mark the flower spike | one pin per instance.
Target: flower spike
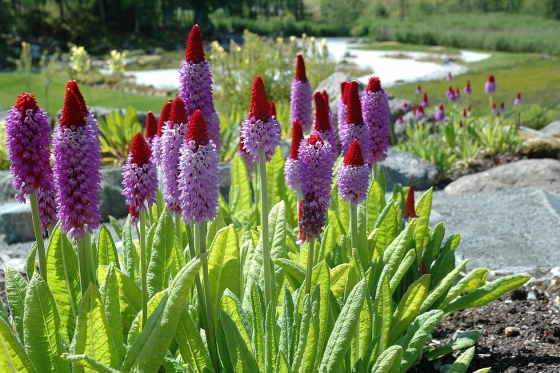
(194, 52)
(353, 175)
(409, 211)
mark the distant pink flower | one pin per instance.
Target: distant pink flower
(457, 94)
(468, 89)
(420, 112)
(440, 113)
(502, 107)
(409, 211)
(464, 115)
(418, 90)
(449, 77)
(493, 110)
(322, 124)
(490, 86)
(517, 100)
(399, 120)
(450, 94)
(405, 107)
(425, 103)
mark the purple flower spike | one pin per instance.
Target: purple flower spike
(331, 118)
(355, 128)
(322, 123)
(440, 114)
(27, 140)
(450, 94)
(399, 120)
(425, 103)
(457, 94)
(420, 112)
(316, 161)
(418, 90)
(517, 100)
(353, 175)
(291, 169)
(156, 141)
(468, 89)
(195, 84)
(139, 177)
(77, 163)
(449, 77)
(46, 203)
(301, 97)
(174, 133)
(259, 130)
(490, 86)
(375, 107)
(199, 180)
(247, 159)
(341, 117)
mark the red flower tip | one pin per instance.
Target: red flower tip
(409, 211)
(197, 129)
(519, 95)
(502, 105)
(321, 113)
(425, 96)
(178, 112)
(259, 101)
(164, 116)
(405, 105)
(343, 88)
(354, 156)
(414, 109)
(450, 89)
(26, 101)
(494, 105)
(271, 108)
(418, 87)
(133, 212)
(400, 117)
(491, 78)
(73, 86)
(460, 124)
(300, 69)
(464, 112)
(72, 113)
(297, 136)
(422, 270)
(314, 139)
(440, 106)
(470, 107)
(151, 125)
(374, 84)
(325, 97)
(139, 150)
(468, 83)
(195, 49)
(421, 108)
(354, 111)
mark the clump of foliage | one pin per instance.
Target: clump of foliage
(4, 161)
(116, 131)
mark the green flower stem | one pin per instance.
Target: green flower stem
(211, 335)
(190, 240)
(150, 216)
(310, 257)
(38, 235)
(354, 224)
(264, 228)
(89, 252)
(143, 267)
(179, 230)
(83, 262)
(375, 171)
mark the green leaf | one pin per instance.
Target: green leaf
(286, 324)
(129, 251)
(130, 296)
(224, 266)
(344, 329)
(375, 204)
(106, 249)
(434, 243)
(41, 328)
(271, 348)
(303, 333)
(382, 313)
(295, 273)
(462, 363)
(338, 275)
(213, 228)
(389, 361)
(231, 305)
(258, 320)
(402, 269)
(487, 293)
(388, 225)
(116, 226)
(162, 254)
(64, 281)
(84, 361)
(136, 326)
(110, 299)
(441, 288)
(472, 281)
(415, 338)
(463, 341)
(240, 190)
(13, 358)
(408, 306)
(93, 334)
(149, 350)
(423, 209)
(191, 345)
(30, 265)
(240, 355)
(16, 288)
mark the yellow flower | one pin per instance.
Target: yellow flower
(116, 62)
(79, 56)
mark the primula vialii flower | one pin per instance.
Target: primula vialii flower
(342, 106)
(77, 163)
(199, 179)
(139, 177)
(46, 203)
(405, 107)
(272, 109)
(301, 97)
(174, 133)
(156, 141)
(399, 120)
(27, 140)
(151, 127)
(450, 94)
(490, 86)
(322, 124)
(419, 112)
(247, 159)
(353, 175)
(449, 77)
(468, 89)
(195, 84)
(409, 211)
(331, 119)
(493, 110)
(355, 128)
(502, 107)
(375, 108)
(517, 100)
(316, 161)
(418, 90)
(425, 103)
(291, 170)
(440, 113)
(259, 130)
(464, 115)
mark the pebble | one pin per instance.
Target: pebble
(511, 331)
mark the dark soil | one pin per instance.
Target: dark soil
(520, 332)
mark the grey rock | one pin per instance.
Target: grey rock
(111, 199)
(16, 223)
(406, 169)
(530, 174)
(552, 129)
(7, 191)
(332, 86)
(225, 178)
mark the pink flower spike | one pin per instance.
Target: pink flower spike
(409, 211)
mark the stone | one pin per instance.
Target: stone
(512, 331)
(225, 178)
(537, 145)
(529, 174)
(407, 169)
(16, 223)
(552, 129)
(111, 199)
(7, 191)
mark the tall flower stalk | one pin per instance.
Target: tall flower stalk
(77, 156)
(322, 124)
(301, 97)
(140, 187)
(27, 140)
(261, 135)
(355, 128)
(291, 169)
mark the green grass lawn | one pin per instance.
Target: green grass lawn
(13, 84)
(535, 76)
